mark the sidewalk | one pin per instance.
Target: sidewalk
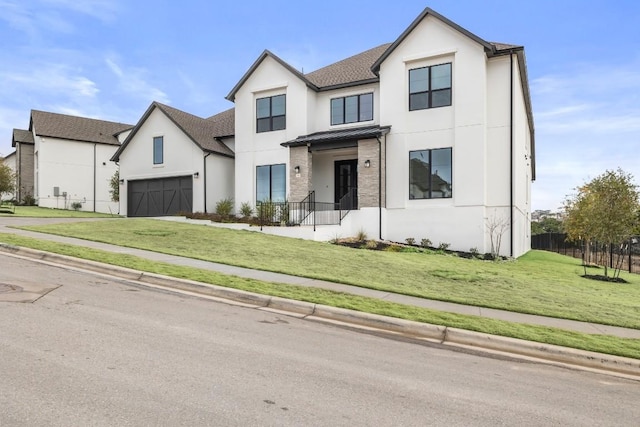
(584, 327)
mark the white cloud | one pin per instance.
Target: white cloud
(49, 78)
(104, 10)
(132, 82)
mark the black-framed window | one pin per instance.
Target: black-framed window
(352, 109)
(430, 173)
(271, 183)
(158, 150)
(271, 113)
(430, 87)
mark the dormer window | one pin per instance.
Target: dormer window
(271, 113)
(352, 109)
(430, 87)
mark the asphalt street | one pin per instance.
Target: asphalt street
(100, 352)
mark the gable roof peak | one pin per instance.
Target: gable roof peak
(489, 48)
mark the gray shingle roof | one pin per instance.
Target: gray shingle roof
(21, 136)
(349, 134)
(205, 133)
(75, 128)
(354, 69)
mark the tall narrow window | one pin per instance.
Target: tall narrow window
(271, 183)
(430, 173)
(430, 87)
(158, 150)
(271, 113)
(352, 109)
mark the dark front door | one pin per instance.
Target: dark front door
(346, 179)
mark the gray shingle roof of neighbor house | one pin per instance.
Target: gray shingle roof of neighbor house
(75, 128)
(22, 136)
(349, 134)
(205, 133)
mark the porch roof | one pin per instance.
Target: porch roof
(349, 134)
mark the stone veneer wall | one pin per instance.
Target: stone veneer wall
(25, 171)
(368, 180)
(299, 186)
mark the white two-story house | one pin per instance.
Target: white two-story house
(429, 137)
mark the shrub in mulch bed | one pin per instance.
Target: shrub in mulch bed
(604, 278)
(220, 218)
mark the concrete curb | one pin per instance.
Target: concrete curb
(441, 334)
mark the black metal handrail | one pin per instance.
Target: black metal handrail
(306, 212)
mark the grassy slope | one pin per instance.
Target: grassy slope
(598, 343)
(538, 283)
(37, 212)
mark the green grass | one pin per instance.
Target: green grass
(538, 283)
(598, 343)
(38, 212)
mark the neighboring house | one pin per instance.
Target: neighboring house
(10, 161)
(176, 162)
(429, 137)
(71, 160)
(23, 142)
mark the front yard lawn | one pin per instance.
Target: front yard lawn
(598, 343)
(537, 283)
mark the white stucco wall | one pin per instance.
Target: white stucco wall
(81, 169)
(182, 157)
(253, 149)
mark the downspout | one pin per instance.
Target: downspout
(94, 176)
(204, 173)
(379, 187)
(511, 153)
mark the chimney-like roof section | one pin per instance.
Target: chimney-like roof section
(21, 136)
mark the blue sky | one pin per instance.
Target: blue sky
(110, 59)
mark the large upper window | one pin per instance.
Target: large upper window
(271, 113)
(430, 174)
(270, 183)
(158, 150)
(430, 87)
(351, 109)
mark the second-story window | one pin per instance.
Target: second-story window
(351, 109)
(271, 113)
(158, 150)
(430, 87)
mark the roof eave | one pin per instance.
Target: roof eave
(349, 84)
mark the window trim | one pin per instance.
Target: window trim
(159, 151)
(430, 151)
(429, 92)
(270, 166)
(271, 117)
(344, 109)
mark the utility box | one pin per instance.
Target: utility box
(56, 191)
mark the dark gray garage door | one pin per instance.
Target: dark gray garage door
(160, 197)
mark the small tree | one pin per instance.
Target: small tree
(604, 210)
(114, 186)
(7, 179)
(496, 226)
